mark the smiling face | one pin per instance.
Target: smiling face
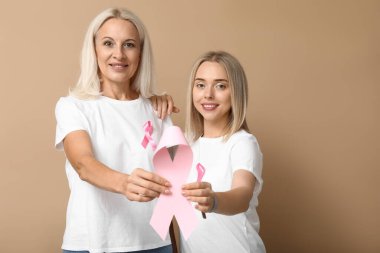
(117, 46)
(212, 94)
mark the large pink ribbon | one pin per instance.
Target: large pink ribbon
(148, 128)
(176, 171)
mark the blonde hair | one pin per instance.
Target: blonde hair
(239, 96)
(88, 85)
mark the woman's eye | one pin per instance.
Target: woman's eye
(129, 44)
(221, 86)
(107, 43)
(199, 85)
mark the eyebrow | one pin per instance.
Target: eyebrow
(216, 80)
(110, 38)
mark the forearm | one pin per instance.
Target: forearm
(140, 185)
(234, 201)
(96, 173)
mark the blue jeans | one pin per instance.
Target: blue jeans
(165, 249)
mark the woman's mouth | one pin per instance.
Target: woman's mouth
(118, 66)
(209, 107)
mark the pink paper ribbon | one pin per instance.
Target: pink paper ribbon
(201, 171)
(176, 171)
(148, 128)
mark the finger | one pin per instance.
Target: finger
(197, 193)
(164, 106)
(203, 208)
(142, 191)
(136, 193)
(159, 105)
(175, 109)
(190, 186)
(153, 100)
(151, 177)
(138, 197)
(203, 201)
(170, 104)
(147, 192)
(196, 185)
(150, 181)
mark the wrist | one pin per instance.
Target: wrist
(121, 185)
(214, 204)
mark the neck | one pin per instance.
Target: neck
(214, 130)
(119, 91)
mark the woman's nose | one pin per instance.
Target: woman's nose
(118, 53)
(209, 93)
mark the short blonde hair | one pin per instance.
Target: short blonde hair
(239, 95)
(88, 85)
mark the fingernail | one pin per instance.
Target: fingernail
(168, 184)
(167, 191)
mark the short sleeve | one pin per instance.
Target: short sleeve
(167, 122)
(246, 155)
(69, 118)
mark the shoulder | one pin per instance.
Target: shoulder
(243, 141)
(64, 102)
(69, 100)
(70, 105)
(242, 136)
(145, 102)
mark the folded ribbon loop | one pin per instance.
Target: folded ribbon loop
(176, 171)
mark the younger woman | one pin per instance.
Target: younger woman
(222, 145)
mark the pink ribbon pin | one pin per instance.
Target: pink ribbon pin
(176, 171)
(148, 128)
(201, 171)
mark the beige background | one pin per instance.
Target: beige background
(314, 73)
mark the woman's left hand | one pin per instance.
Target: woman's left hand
(200, 192)
(163, 105)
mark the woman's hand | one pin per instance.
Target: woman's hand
(163, 105)
(229, 202)
(200, 192)
(143, 186)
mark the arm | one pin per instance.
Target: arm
(163, 105)
(230, 202)
(139, 186)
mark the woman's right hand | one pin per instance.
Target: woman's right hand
(144, 186)
(201, 193)
(163, 105)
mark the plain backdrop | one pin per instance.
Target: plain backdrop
(314, 77)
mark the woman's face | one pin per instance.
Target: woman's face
(212, 93)
(117, 47)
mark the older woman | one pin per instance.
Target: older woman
(108, 130)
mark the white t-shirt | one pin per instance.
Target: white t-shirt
(222, 233)
(99, 220)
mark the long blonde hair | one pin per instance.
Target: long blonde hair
(239, 95)
(88, 85)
